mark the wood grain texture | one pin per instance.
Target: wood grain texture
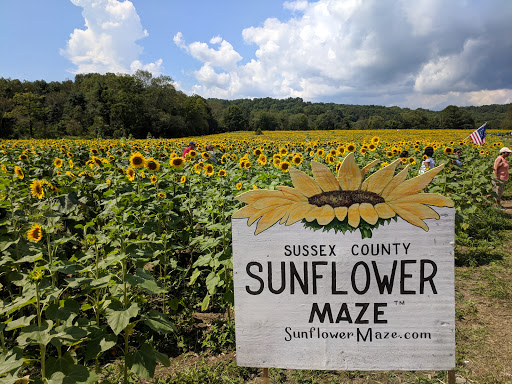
(410, 321)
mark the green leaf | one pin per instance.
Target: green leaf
(11, 360)
(19, 323)
(142, 362)
(146, 281)
(194, 276)
(212, 281)
(33, 334)
(77, 374)
(118, 319)
(101, 342)
(67, 335)
(159, 322)
(205, 303)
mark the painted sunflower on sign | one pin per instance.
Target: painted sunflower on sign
(345, 202)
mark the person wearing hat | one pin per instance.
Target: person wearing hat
(500, 174)
(191, 146)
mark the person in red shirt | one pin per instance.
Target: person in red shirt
(191, 146)
(500, 174)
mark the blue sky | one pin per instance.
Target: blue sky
(416, 54)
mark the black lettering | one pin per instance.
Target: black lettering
(429, 278)
(283, 278)
(321, 315)
(388, 250)
(353, 253)
(377, 313)
(406, 247)
(364, 249)
(248, 270)
(287, 250)
(296, 252)
(322, 253)
(353, 278)
(294, 275)
(331, 249)
(305, 251)
(367, 336)
(314, 250)
(333, 281)
(387, 281)
(344, 310)
(364, 307)
(404, 276)
(289, 337)
(315, 275)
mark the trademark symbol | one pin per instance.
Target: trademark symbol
(399, 302)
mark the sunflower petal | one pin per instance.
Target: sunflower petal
(304, 184)
(378, 181)
(270, 218)
(270, 201)
(326, 215)
(250, 197)
(368, 213)
(292, 193)
(341, 213)
(245, 212)
(420, 210)
(427, 198)
(395, 181)
(313, 214)
(298, 211)
(257, 215)
(353, 215)
(368, 167)
(384, 211)
(408, 216)
(324, 177)
(414, 185)
(349, 174)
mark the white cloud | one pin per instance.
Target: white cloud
(395, 52)
(108, 42)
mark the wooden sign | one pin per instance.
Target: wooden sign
(322, 294)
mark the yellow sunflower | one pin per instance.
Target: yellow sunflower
(36, 189)
(183, 179)
(284, 166)
(205, 155)
(152, 165)
(35, 233)
(177, 162)
(57, 162)
(137, 160)
(324, 197)
(208, 170)
(130, 173)
(448, 150)
(19, 172)
(153, 179)
(222, 173)
(161, 195)
(239, 186)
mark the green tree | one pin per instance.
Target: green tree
(453, 117)
(28, 110)
(506, 123)
(235, 119)
(298, 122)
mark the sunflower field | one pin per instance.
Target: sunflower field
(108, 247)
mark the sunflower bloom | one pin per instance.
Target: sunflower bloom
(35, 233)
(36, 189)
(222, 173)
(57, 163)
(137, 160)
(130, 173)
(152, 165)
(325, 197)
(19, 172)
(177, 162)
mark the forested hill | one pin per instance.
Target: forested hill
(140, 105)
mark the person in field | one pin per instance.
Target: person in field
(191, 146)
(428, 160)
(500, 174)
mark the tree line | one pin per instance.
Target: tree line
(140, 105)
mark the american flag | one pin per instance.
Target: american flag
(478, 136)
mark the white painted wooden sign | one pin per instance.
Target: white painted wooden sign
(307, 299)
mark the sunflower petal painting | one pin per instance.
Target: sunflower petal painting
(348, 199)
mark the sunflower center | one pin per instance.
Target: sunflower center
(345, 198)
